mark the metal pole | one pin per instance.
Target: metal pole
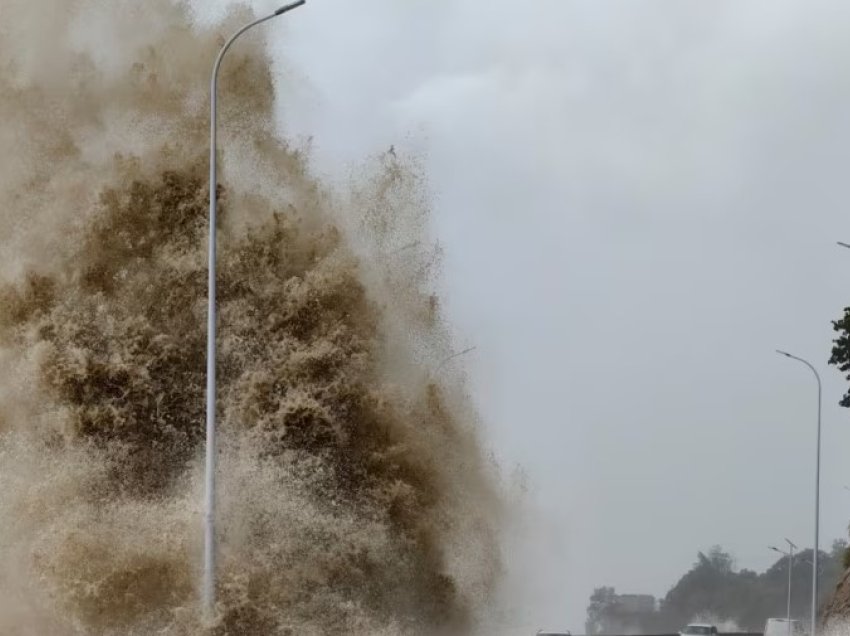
(817, 495)
(789, 556)
(208, 588)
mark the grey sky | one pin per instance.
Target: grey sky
(639, 202)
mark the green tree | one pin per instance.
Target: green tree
(713, 587)
(841, 350)
(601, 604)
(702, 588)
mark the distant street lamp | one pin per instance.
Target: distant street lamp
(817, 494)
(208, 588)
(790, 555)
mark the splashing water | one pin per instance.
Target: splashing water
(353, 495)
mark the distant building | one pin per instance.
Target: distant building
(634, 603)
(626, 614)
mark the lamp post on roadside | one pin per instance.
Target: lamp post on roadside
(208, 586)
(790, 555)
(817, 494)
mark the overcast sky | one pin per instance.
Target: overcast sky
(639, 202)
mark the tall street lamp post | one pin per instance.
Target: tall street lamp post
(817, 495)
(208, 587)
(790, 555)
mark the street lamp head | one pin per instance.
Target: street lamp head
(784, 353)
(290, 7)
(842, 244)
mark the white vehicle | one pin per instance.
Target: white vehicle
(700, 629)
(781, 627)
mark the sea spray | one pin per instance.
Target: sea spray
(354, 497)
